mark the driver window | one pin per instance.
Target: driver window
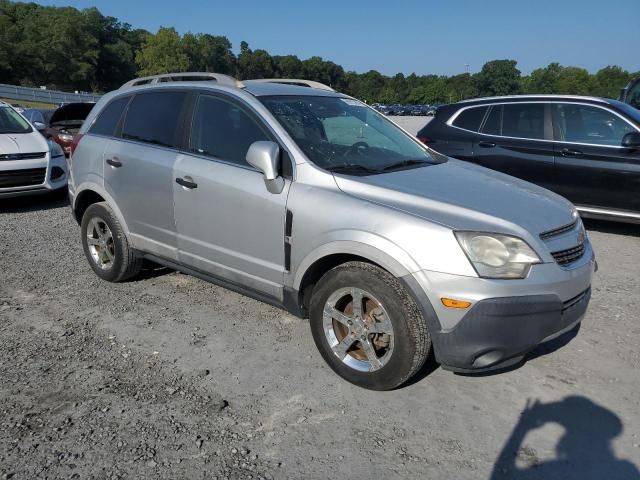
(223, 130)
(586, 124)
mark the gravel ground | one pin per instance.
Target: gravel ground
(168, 376)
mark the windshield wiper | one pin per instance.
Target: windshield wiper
(351, 167)
(405, 163)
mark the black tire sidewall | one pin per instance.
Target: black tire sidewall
(98, 210)
(400, 365)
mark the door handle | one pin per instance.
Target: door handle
(570, 152)
(186, 183)
(486, 144)
(114, 162)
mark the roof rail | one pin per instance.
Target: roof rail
(185, 77)
(296, 81)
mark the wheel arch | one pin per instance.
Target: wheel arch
(90, 194)
(320, 261)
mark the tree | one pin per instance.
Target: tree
(544, 80)
(254, 64)
(499, 77)
(608, 81)
(162, 53)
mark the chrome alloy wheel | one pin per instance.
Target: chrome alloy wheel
(358, 329)
(100, 243)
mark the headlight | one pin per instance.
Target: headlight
(497, 256)
(65, 137)
(55, 149)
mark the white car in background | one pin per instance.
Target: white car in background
(29, 164)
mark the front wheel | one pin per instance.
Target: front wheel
(367, 328)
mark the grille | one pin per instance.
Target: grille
(22, 156)
(558, 231)
(568, 256)
(22, 178)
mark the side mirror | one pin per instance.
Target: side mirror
(631, 140)
(39, 126)
(265, 156)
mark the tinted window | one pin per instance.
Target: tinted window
(492, 125)
(12, 122)
(523, 120)
(223, 130)
(153, 118)
(585, 124)
(108, 119)
(470, 118)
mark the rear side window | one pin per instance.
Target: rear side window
(153, 118)
(108, 119)
(223, 130)
(493, 123)
(470, 119)
(523, 120)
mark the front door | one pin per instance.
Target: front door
(592, 167)
(228, 224)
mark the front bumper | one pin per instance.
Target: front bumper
(508, 318)
(499, 332)
(32, 177)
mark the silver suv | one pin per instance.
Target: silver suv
(308, 199)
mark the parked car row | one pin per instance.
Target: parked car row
(406, 110)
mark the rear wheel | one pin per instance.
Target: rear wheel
(367, 328)
(106, 246)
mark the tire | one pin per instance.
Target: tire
(385, 307)
(108, 252)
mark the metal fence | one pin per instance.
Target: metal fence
(45, 96)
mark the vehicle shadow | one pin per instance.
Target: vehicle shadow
(583, 452)
(616, 228)
(34, 203)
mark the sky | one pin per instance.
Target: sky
(422, 36)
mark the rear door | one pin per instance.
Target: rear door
(462, 130)
(592, 167)
(228, 224)
(516, 138)
(138, 170)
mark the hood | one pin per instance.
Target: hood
(73, 113)
(464, 196)
(22, 143)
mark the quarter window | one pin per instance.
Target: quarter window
(107, 121)
(153, 118)
(470, 119)
(523, 120)
(586, 124)
(223, 130)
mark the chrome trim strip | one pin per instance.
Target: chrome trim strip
(607, 212)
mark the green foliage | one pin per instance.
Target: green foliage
(75, 49)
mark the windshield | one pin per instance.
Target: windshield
(12, 122)
(342, 134)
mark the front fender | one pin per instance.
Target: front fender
(373, 247)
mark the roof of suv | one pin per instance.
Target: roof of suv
(520, 98)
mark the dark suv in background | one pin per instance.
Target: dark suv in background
(585, 149)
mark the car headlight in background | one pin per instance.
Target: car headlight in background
(55, 149)
(497, 256)
(65, 137)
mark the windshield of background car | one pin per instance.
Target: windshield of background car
(344, 134)
(632, 112)
(12, 122)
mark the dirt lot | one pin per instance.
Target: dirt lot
(170, 377)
